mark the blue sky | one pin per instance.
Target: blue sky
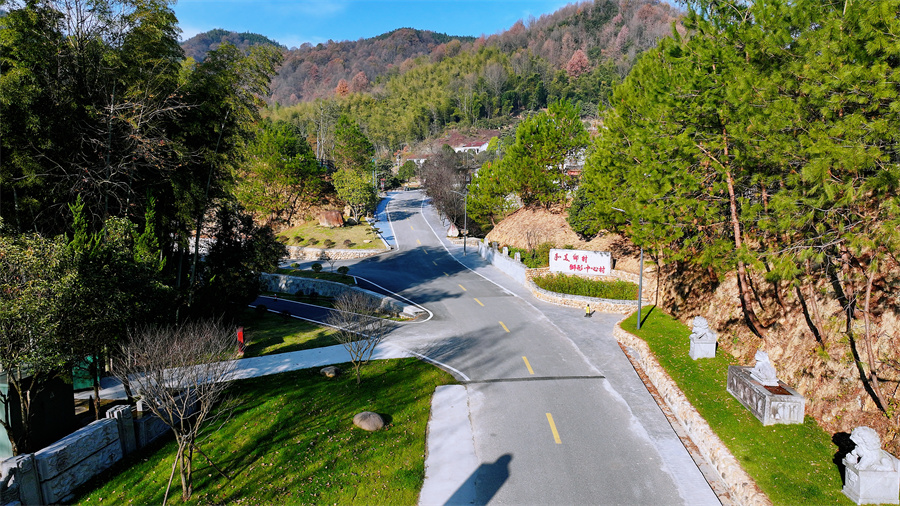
(293, 22)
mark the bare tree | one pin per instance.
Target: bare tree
(181, 373)
(358, 318)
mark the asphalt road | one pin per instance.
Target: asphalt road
(558, 414)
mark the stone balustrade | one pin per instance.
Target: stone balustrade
(50, 475)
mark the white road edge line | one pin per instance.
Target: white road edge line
(423, 308)
(433, 361)
(538, 311)
(422, 210)
(390, 221)
(396, 346)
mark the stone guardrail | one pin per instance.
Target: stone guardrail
(51, 475)
(283, 283)
(741, 486)
(304, 253)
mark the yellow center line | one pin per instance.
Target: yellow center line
(445, 274)
(479, 302)
(435, 263)
(463, 288)
(424, 251)
(411, 228)
(553, 428)
(418, 242)
(530, 370)
(504, 327)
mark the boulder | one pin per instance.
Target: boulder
(369, 421)
(331, 219)
(452, 231)
(330, 371)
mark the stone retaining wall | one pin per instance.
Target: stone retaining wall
(580, 301)
(303, 253)
(282, 283)
(741, 486)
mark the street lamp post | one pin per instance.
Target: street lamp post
(465, 229)
(640, 279)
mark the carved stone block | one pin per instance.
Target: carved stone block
(701, 349)
(125, 423)
(872, 486)
(772, 405)
(59, 488)
(77, 446)
(24, 484)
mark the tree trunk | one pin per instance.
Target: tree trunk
(873, 378)
(95, 381)
(742, 279)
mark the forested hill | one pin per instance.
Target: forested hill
(197, 46)
(311, 72)
(607, 31)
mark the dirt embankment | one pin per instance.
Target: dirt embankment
(827, 365)
(528, 228)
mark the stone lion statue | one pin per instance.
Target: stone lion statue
(868, 454)
(701, 331)
(764, 371)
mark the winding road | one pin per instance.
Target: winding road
(558, 415)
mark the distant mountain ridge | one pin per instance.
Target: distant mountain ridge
(607, 31)
(311, 72)
(197, 46)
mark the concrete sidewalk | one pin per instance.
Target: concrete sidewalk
(253, 367)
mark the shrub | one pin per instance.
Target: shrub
(261, 309)
(343, 269)
(312, 241)
(285, 314)
(328, 243)
(295, 265)
(576, 285)
(348, 243)
(316, 267)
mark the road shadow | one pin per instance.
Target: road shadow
(482, 485)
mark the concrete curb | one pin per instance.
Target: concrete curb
(742, 487)
(451, 463)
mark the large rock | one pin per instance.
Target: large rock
(330, 371)
(331, 219)
(369, 421)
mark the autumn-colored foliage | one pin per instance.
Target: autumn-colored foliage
(578, 64)
(342, 89)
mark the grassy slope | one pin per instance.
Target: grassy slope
(292, 441)
(270, 333)
(791, 463)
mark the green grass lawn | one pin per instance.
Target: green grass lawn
(292, 441)
(791, 463)
(270, 333)
(347, 237)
